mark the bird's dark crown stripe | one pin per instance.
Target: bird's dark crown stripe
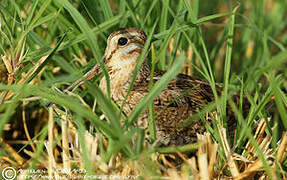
(128, 31)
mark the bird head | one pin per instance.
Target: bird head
(124, 46)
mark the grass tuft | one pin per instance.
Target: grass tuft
(47, 45)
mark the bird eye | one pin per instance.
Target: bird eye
(122, 41)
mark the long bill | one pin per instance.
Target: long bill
(89, 75)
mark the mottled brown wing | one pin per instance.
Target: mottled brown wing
(186, 91)
(183, 97)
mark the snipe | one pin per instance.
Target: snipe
(183, 97)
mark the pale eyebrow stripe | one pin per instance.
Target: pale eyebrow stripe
(135, 34)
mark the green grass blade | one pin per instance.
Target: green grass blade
(109, 110)
(227, 63)
(105, 6)
(152, 123)
(31, 14)
(140, 141)
(280, 99)
(140, 61)
(158, 87)
(43, 64)
(83, 25)
(149, 11)
(212, 17)
(100, 28)
(33, 22)
(84, 153)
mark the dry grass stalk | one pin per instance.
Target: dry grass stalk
(26, 127)
(254, 163)
(50, 142)
(282, 150)
(173, 174)
(251, 170)
(30, 73)
(258, 133)
(7, 64)
(19, 159)
(226, 148)
(194, 169)
(202, 157)
(65, 144)
(202, 167)
(212, 152)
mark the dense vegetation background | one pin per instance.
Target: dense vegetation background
(46, 45)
